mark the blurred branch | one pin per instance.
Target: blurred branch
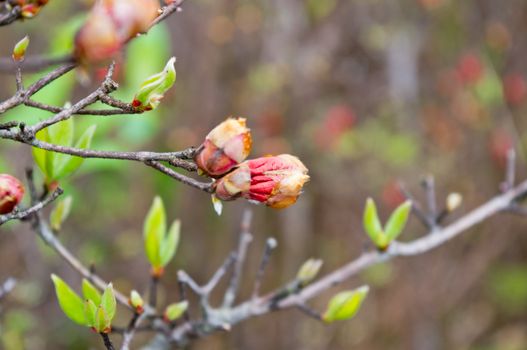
(225, 317)
(7, 286)
(34, 63)
(18, 215)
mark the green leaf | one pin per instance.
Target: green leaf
(397, 221)
(60, 134)
(372, 224)
(108, 302)
(154, 87)
(90, 312)
(70, 303)
(170, 243)
(20, 49)
(102, 321)
(41, 156)
(60, 212)
(176, 310)
(72, 163)
(154, 231)
(345, 305)
(90, 292)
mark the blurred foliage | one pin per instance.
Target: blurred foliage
(367, 93)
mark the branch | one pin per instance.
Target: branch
(33, 209)
(225, 317)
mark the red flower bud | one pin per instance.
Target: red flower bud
(110, 25)
(11, 193)
(225, 146)
(276, 181)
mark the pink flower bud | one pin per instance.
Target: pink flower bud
(110, 25)
(225, 146)
(276, 181)
(11, 193)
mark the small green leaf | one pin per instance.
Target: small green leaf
(371, 222)
(72, 163)
(20, 49)
(397, 221)
(136, 300)
(41, 156)
(70, 303)
(60, 212)
(60, 134)
(102, 321)
(90, 292)
(345, 305)
(90, 311)
(154, 231)
(153, 88)
(108, 302)
(174, 311)
(170, 243)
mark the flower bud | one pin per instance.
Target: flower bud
(453, 201)
(136, 301)
(20, 49)
(110, 25)
(276, 181)
(11, 193)
(29, 10)
(225, 146)
(175, 311)
(308, 271)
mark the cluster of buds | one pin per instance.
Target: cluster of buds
(110, 25)
(276, 181)
(28, 8)
(11, 193)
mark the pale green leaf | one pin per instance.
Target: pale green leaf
(397, 221)
(90, 311)
(60, 212)
(372, 224)
(345, 304)
(102, 321)
(73, 163)
(154, 231)
(90, 292)
(108, 302)
(176, 310)
(70, 303)
(170, 243)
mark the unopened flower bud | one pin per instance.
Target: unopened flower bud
(225, 146)
(110, 25)
(20, 49)
(308, 271)
(175, 311)
(453, 201)
(30, 10)
(136, 301)
(11, 193)
(276, 181)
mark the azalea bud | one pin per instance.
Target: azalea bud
(11, 193)
(30, 10)
(276, 181)
(136, 301)
(110, 25)
(20, 49)
(225, 146)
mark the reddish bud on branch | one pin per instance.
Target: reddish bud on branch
(225, 146)
(11, 193)
(276, 181)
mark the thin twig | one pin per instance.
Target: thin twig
(243, 242)
(216, 278)
(270, 245)
(33, 209)
(107, 342)
(206, 187)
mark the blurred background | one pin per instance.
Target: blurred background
(367, 94)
